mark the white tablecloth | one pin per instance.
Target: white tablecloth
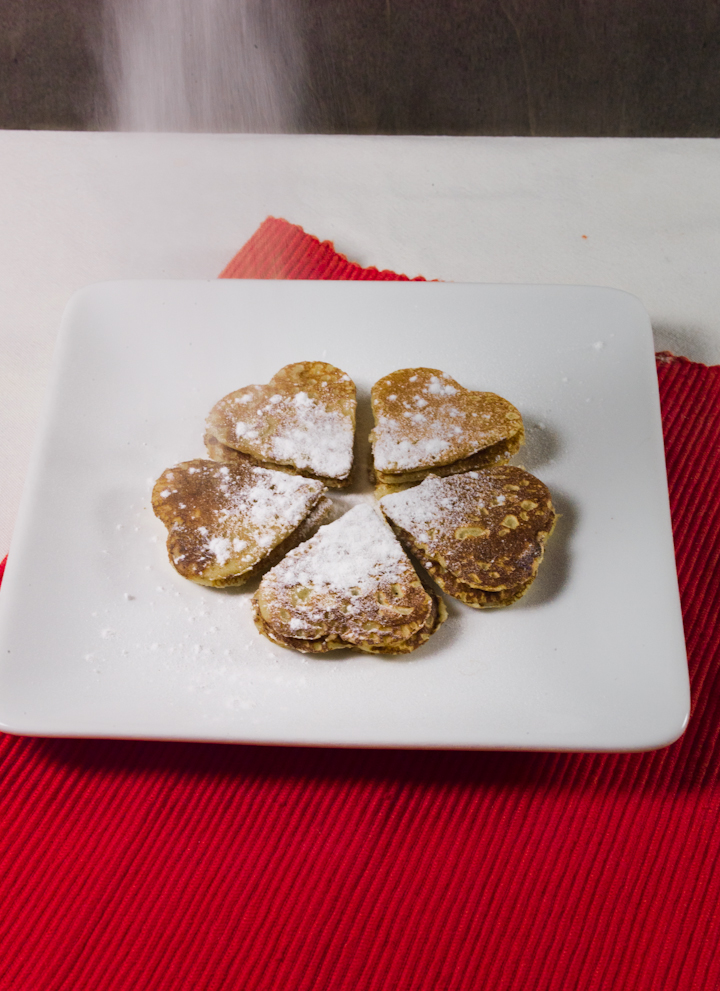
(76, 208)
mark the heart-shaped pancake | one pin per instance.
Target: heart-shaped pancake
(481, 535)
(351, 585)
(425, 421)
(228, 522)
(302, 421)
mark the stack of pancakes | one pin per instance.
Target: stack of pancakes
(228, 522)
(426, 422)
(480, 535)
(302, 422)
(351, 585)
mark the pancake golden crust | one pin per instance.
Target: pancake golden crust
(228, 522)
(478, 598)
(351, 585)
(426, 421)
(220, 452)
(482, 532)
(302, 420)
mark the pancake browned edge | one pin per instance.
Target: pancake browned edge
(217, 451)
(481, 535)
(497, 454)
(228, 523)
(436, 616)
(301, 422)
(352, 585)
(426, 422)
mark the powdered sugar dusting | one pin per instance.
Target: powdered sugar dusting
(353, 552)
(219, 547)
(448, 503)
(440, 388)
(393, 449)
(304, 417)
(276, 501)
(427, 419)
(352, 580)
(488, 525)
(310, 436)
(417, 510)
(236, 513)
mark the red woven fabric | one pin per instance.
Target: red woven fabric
(182, 867)
(279, 250)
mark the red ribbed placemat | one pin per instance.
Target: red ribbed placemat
(184, 867)
(279, 250)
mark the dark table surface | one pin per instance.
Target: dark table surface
(543, 67)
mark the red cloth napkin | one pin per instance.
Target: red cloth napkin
(206, 868)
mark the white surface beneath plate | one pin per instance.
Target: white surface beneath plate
(100, 637)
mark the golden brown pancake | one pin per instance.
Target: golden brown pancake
(229, 522)
(426, 422)
(351, 585)
(481, 535)
(220, 452)
(302, 421)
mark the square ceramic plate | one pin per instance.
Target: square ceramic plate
(100, 637)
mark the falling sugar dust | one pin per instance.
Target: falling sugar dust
(202, 65)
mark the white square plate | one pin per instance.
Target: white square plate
(100, 637)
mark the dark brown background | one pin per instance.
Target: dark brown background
(546, 67)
